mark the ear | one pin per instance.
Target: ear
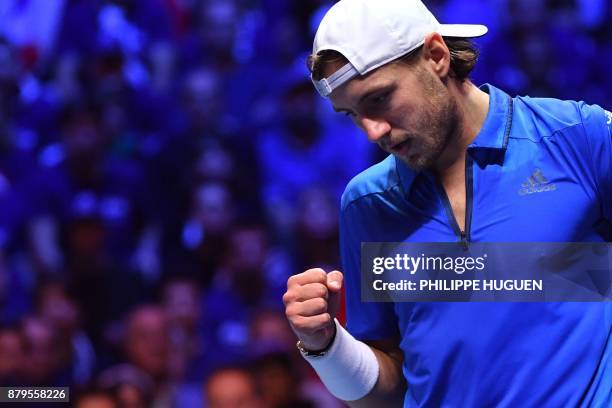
(437, 54)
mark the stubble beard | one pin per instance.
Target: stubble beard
(439, 124)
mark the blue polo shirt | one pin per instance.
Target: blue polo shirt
(538, 171)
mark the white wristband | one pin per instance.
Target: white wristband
(349, 369)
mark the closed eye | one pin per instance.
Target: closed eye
(380, 98)
(344, 112)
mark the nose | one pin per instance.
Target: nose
(375, 129)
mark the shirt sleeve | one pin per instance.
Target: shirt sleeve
(365, 320)
(598, 126)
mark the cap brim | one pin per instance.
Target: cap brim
(463, 30)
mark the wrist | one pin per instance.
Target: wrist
(349, 369)
(315, 351)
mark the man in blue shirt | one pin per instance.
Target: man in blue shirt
(467, 164)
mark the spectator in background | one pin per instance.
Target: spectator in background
(317, 229)
(147, 347)
(117, 183)
(93, 273)
(278, 381)
(302, 152)
(94, 398)
(217, 39)
(269, 331)
(43, 365)
(203, 104)
(231, 387)
(55, 306)
(190, 352)
(130, 386)
(204, 234)
(15, 289)
(274, 355)
(78, 167)
(9, 88)
(238, 288)
(12, 357)
(181, 304)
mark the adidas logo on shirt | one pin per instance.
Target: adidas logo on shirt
(536, 183)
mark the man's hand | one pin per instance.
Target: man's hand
(312, 302)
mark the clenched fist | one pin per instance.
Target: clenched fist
(312, 302)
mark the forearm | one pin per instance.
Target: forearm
(390, 386)
(359, 372)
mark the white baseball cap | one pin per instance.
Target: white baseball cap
(371, 33)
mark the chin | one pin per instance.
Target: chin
(417, 163)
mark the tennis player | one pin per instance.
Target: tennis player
(466, 164)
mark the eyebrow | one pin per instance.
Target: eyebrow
(383, 88)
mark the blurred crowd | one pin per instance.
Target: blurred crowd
(165, 166)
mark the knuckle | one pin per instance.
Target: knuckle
(290, 312)
(288, 297)
(293, 319)
(326, 318)
(306, 325)
(320, 304)
(317, 275)
(298, 322)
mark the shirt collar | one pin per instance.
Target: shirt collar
(489, 146)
